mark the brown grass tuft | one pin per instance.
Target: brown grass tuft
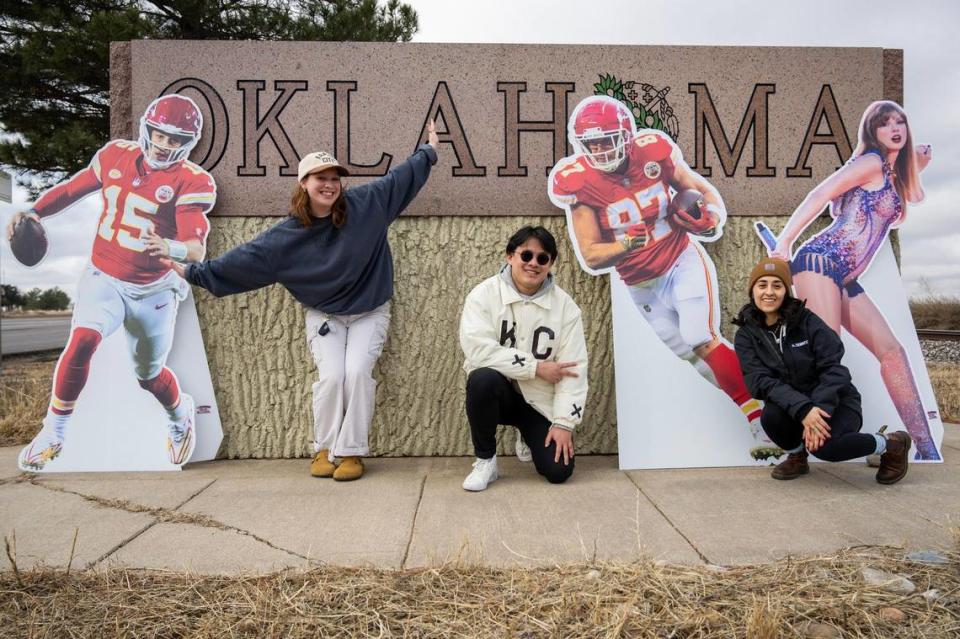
(643, 599)
(24, 392)
(936, 312)
(945, 378)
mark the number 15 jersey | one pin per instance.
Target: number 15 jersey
(637, 193)
(136, 198)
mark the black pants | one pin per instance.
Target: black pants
(845, 442)
(492, 400)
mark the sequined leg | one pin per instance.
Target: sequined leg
(898, 378)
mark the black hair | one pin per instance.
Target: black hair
(542, 235)
(750, 314)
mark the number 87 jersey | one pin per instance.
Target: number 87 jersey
(172, 201)
(638, 192)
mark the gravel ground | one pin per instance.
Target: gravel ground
(940, 350)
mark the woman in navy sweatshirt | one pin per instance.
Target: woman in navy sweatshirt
(332, 254)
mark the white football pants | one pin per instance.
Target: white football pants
(344, 394)
(148, 312)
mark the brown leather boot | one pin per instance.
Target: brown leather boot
(893, 463)
(792, 467)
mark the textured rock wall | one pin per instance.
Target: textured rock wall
(262, 371)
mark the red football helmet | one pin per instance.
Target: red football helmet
(600, 129)
(179, 120)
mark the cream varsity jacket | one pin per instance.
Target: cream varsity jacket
(499, 329)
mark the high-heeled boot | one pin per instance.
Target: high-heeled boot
(898, 378)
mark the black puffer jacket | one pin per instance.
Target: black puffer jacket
(807, 373)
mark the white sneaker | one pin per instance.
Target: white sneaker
(484, 471)
(44, 448)
(523, 451)
(182, 436)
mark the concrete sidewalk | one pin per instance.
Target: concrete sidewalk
(260, 516)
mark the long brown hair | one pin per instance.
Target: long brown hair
(300, 207)
(906, 176)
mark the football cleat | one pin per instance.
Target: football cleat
(182, 436)
(521, 448)
(764, 449)
(44, 448)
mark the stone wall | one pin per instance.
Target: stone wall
(262, 371)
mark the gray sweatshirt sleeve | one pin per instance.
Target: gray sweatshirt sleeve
(243, 268)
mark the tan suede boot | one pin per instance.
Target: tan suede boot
(321, 466)
(350, 468)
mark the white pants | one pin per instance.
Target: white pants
(682, 305)
(344, 394)
(147, 312)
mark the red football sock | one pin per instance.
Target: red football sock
(726, 368)
(73, 369)
(164, 387)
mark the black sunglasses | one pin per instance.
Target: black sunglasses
(542, 258)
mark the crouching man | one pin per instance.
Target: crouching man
(526, 360)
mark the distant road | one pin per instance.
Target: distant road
(31, 334)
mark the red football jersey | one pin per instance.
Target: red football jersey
(639, 191)
(172, 201)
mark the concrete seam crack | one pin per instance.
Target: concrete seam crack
(413, 524)
(123, 543)
(702, 556)
(167, 515)
(190, 498)
(142, 530)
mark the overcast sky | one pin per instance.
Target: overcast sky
(925, 30)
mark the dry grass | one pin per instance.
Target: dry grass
(645, 599)
(945, 378)
(936, 312)
(24, 392)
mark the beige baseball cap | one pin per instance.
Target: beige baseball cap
(318, 161)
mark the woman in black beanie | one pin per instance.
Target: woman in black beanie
(791, 360)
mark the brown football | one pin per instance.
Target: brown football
(689, 200)
(29, 241)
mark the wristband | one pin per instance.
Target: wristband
(177, 250)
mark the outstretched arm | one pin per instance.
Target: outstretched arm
(396, 190)
(58, 197)
(864, 169)
(243, 268)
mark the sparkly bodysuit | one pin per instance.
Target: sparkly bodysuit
(845, 249)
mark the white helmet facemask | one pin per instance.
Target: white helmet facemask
(171, 155)
(609, 159)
